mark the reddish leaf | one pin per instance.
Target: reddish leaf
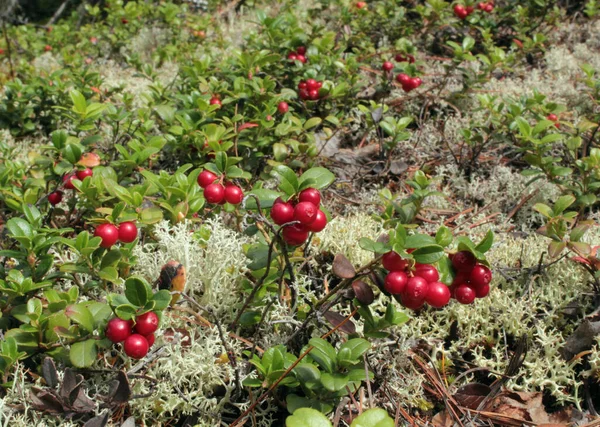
(247, 126)
(336, 319)
(471, 395)
(343, 268)
(363, 292)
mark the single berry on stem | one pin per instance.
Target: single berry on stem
(214, 193)
(319, 223)
(282, 213)
(117, 330)
(206, 178)
(464, 294)
(108, 233)
(463, 261)
(294, 235)
(393, 262)
(127, 232)
(438, 295)
(147, 323)
(305, 212)
(233, 194)
(55, 197)
(311, 195)
(136, 346)
(395, 282)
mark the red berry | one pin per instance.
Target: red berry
(47, 48)
(427, 272)
(292, 56)
(412, 304)
(68, 181)
(311, 195)
(117, 330)
(313, 94)
(463, 261)
(301, 58)
(233, 194)
(460, 11)
(361, 4)
(302, 85)
(127, 232)
(305, 212)
(416, 289)
(124, 20)
(393, 262)
(552, 117)
(150, 338)
(215, 101)
(464, 294)
(416, 82)
(482, 291)
(480, 276)
(387, 66)
(461, 277)
(214, 193)
(403, 78)
(206, 178)
(283, 107)
(282, 213)
(294, 235)
(438, 295)
(319, 223)
(55, 197)
(395, 282)
(82, 174)
(136, 346)
(108, 233)
(301, 50)
(311, 84)
(470, 10)
(146, 323)
(489, 7)
(481, 5)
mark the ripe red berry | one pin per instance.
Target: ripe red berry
(127, 232)
(108, 233)
(460, 11)
(68, 181)
(552, 117)
(302, 85)
(427, 272)
(206, 178)
(361, 4)
(395, 282)
(282, 213)
(461, 277)
(82, 174)
(303, 93)
(438, 295)
(136, 346)
(233, 194)
(489, 8)
(464, 294)
(403, 79)
(387, 66)
(146, 323)
(480, 276)
(294, 235)
(312, 84)
(313, 94)
(319, 223)
(47, 48)
(393, 262)
(301, 50)
(283, 107)
(482, 291)
(416, 82)
(215, 101)
(214, 193)
(470, 10)
(311, 195)
(125, 21)
(292, 56)
(416, 289)
(301, 58)
(481, 5)
(412, 304)
(150, 338)
(55, 197)
(463, 261)
(117, 330)
(305, 212)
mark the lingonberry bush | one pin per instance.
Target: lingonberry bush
(325, 213)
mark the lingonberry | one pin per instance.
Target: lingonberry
(55, 197)
(403, 79)
(127, 231)
(214, 193)
(283, 107)
(147, 323)
(47, 48)
(410, 303)
(302, 85)
(313, 94)
(292, 56)
(469, 9)
(117, 330)
(311, 195)
(480, 276)
(427, 272)
(311, 84)
(215, 101)
(68, 181)
(393, 262)
(460, 11)
(206, 178)
(108, 233)
(305, 212)
(461, 277)
(150, 338)
(301, 58)
(481, 5)
(463, 261)
(233, 194)
(319, 223)
(416, 289)
(438, 294)
(294, 235)
(395, 282)
(464, 294)
(282, 213)
(482, 291)
(552, 117)
(301, 50)
(82, 174)
(387, 66)
(136, 346)
(489, 7)
(361, 4)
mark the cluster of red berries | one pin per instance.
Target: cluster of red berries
(217, 193)
(306, 211)
(408, 83)
(404, 58)
(309, 89)
(126, 232)
(486, 7)
(472, 279)
(138, 337)
(55, 197)
(298, 55)
(462, 11)
(553, 118)
(417, 285)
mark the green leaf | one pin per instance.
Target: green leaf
(151, 215)
(375, 417)
(312, 122)
(81, 315)
(563, 203)
(18, 227)
(288, 182)
(486, 243)
(373, 246)
(161, 299)
(357, 347)
(137, 291)
(79, 103)
(419, 241)
(265, 197)
(428, 254)
(322, 177)
(307, 417)
(543, 209)
(323, 353)
(83, 354)
(524, 127)
(334, 382)
(555, 248)
(443, 237)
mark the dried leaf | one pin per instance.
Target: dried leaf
(98, 421)
(120, 392)
(471, 395)
(68, 385)
(342, 267)
(363, 292)
(442, 419)
(580, 340)
(49, 372)
(81, 403)
(527, 407)
(45, 401)
(335, 319)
